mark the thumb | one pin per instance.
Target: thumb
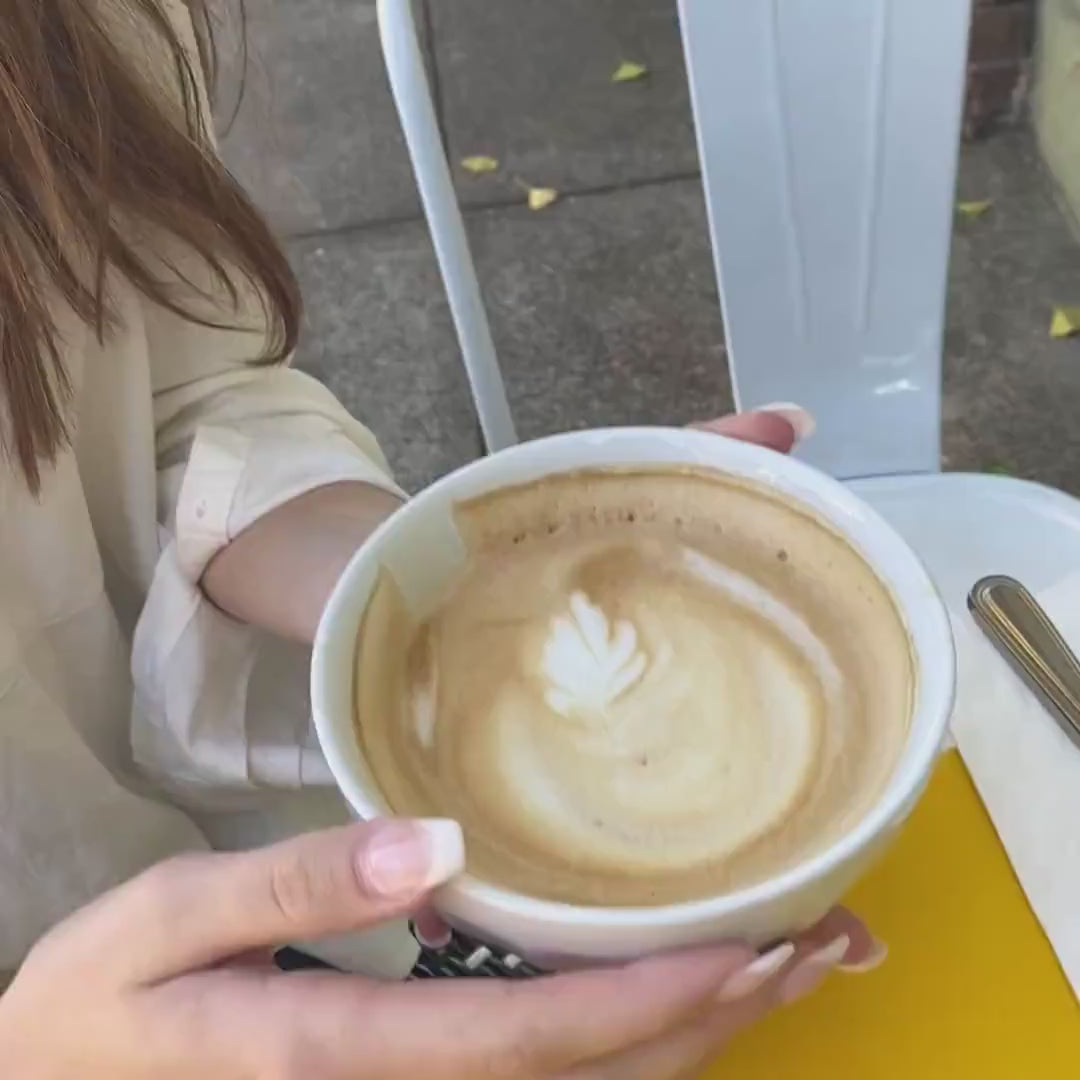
(195, 910)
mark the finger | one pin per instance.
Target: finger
(681, 1054)
(764, 428)
(197, 910)
(863, 948)
(251, 960)
(839, 941)
(510, 1028)
(685, 1051)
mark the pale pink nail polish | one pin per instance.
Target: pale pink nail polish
(873, 959)
(809, 973)
(406, 858)
(802, 422)
(433, 941)
(757, 973)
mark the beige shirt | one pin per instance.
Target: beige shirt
(137, 720)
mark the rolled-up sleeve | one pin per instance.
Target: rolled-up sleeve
(221, 708)
(255, 443)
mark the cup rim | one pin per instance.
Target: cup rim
(918, 601)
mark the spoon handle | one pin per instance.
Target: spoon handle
(1023, 633)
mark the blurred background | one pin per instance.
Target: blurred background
(604, 304)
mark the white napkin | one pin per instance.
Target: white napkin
(1027, 772)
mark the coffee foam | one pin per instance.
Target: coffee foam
(644, 687)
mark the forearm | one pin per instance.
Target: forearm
(279, 573)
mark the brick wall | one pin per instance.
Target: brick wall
(999, 52)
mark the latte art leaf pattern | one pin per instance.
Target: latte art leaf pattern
(590, 664)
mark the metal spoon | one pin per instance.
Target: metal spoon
(1023, 633)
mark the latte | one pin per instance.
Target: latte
(643, 687)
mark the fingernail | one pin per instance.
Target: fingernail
(801, 421)
(873, 959)
(431, 931)
(406, 858)
(757, 973)
(433, 941)
(807, 975)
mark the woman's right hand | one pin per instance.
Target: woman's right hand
(169, 977)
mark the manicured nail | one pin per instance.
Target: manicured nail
(757, 973)
(808, 974)
(406, 858)
(873, 959)
(433, 941)
(801, 421)
(431, 931)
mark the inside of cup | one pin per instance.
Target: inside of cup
(424, 552)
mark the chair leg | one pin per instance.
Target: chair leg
(412, 95)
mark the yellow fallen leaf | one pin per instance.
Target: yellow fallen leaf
(1065, 322)
(629, 71)
(541, 197)
(974, 209)
(479, 163)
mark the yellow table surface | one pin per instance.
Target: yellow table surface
(971, 988)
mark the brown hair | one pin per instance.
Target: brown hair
(90, 144)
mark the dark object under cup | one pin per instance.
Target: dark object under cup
(462, 957)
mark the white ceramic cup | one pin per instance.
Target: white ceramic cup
(422, 550)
